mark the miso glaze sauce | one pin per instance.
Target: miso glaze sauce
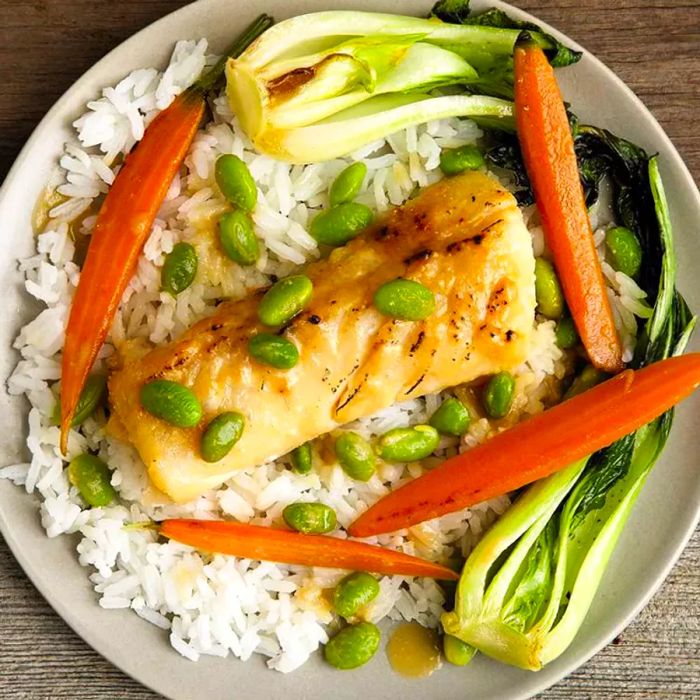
(414, 651)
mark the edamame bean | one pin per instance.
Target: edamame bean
(566, 334)
(302, 458)
(625, 250)
(179, 268)
(340, 224)
(346, 186)
(284, 300)
(408, 444)
(458, 160)
(499, 394)
(237, 237)
(235, 182)
(273, 350)
(451, 418)
(90, 397)
(92, 477)
(221, 435)
(353, 646)
(310, 518)
(171, 402)
(456, 651)
(355, 456)
(587, 379)
(354, 592)
(404, 299)
(550, 298)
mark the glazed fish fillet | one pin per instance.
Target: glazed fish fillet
(464, 238)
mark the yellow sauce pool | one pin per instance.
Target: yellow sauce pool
(414, 651)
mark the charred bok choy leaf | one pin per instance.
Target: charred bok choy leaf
(528, 584)
(321, 85)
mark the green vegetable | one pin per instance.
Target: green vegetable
(347, 185)
(451, 418)
(566, 334)
(355, 456)
(353, 646)
(499, 394)
(285, 299)
(302, 458)
(221, 435)
(404, 299)
(457, 652)
(354, 592)
(527, 586)
(237, 237)
(179, 268)
(587, 379)
(457, 160)
(235, 182)
(273, 350)
(341, 223)
(408, 444)
(171, 402)
(625, 250)
(92, 477)
(310, 518)
(550, 298)
(90, 397)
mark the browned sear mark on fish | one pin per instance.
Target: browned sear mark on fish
(423, 254)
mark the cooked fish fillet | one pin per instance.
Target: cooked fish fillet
(464, 238)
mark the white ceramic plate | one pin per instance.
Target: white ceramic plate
(663, 520)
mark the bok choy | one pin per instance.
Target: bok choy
(318, 86)
(528, 584)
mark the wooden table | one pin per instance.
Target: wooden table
(655, 48)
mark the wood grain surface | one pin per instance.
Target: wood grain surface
(654, 46)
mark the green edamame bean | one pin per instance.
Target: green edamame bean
(237, 237)
(406, 300)
(179, 268)
(457, 160)
(221, 435)
(273, 350)
(171, 402)
(340, 224)
(456, 651)
(499, 394)
(346, 186)
(92, 477)
(302, 458)
(235, 182)
(355, 456)
(587, 379)
(408, 444)
(451, 418)
(353, 646)
(310, 518)
(566, 333)
(90, 397)
(354, 592)
(284, 300)
(625, 250)
(550, 298)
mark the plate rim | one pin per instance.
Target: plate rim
(682, 534)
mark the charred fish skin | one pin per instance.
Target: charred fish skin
(463, 238)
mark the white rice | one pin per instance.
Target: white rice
(222, 605)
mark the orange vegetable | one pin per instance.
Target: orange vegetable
(123, 225)
(550, 160)
(538, 446)
(284, 546)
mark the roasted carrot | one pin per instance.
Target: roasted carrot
(538, 446)
(123, 224)
(284, 546)
(550, 160)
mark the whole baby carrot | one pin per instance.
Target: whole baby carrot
(124, 223)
